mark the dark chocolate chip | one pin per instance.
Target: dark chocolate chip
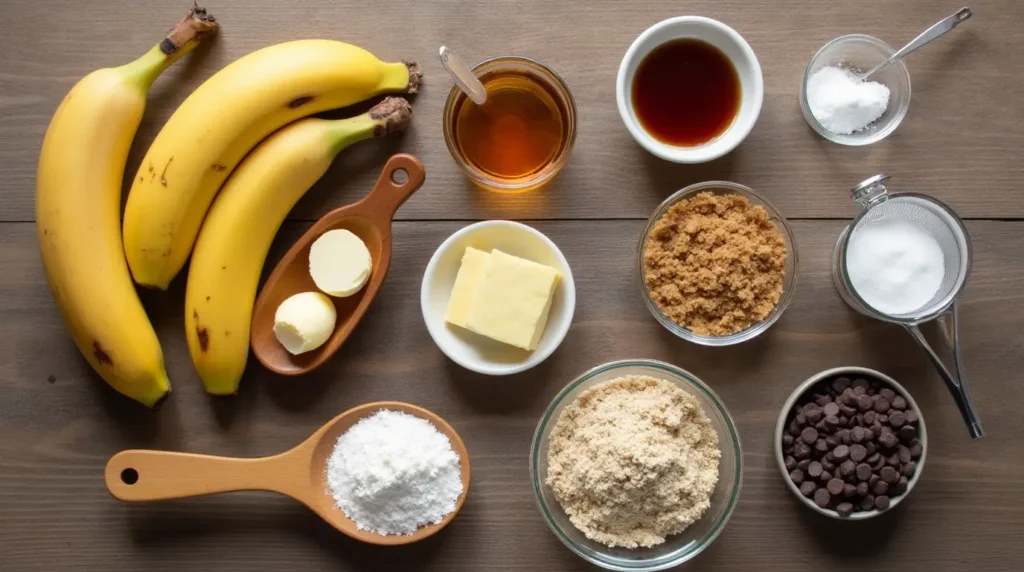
(862, 383)
(899, 402)
(907, 433)
(831, 409)
(887, 439)
(809, 435)
(916, 449)
(801, 450)
(847, 468)
(860, 392)
(881, 405)
(870, 447)
(908, 468)
(864, 403)
(878, 463)
(807, 488)
(868, 502)
(900, 487)
(849, 409)
(864, 471)
(802, 465)
(882, 502)
(835, 487)
(831, 442)
(844, 509)
(841, 452)
(801, 419)
(790, 463)
(849, 490)
(814, 469)
(903, 453)
(787, 439)
(869, 417)
(797, 476)
(814, 415)
(845, 437)
(820, 426)
(858, 452)
(874, 480)
(820, 446)
(822, 498)
(887, 394)
(825, 476)
(827, 465)
(912, 416)
(840, 384)
(880, 488)
(862, 489)
(823, 400)
(897, 419)
(831, 422)
(889, 475)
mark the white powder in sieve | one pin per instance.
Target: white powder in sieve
(842, 103)
(392, 472)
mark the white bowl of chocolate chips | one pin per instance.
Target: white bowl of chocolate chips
(850, 443)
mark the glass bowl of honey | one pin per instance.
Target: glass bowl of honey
(521, 137)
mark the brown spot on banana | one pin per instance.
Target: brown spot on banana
(163, 175)
(101, 354)
(202, 334)
(300, 101)
(218, 167)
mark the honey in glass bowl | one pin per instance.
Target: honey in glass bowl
(522, 135)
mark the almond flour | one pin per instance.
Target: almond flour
(633, 460)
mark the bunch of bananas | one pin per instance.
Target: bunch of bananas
(200, 150)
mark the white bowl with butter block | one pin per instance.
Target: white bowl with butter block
(498, 297)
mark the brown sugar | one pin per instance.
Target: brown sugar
(633, 460)
(714, 264)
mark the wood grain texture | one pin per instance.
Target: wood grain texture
(59, 424)
(959, 142)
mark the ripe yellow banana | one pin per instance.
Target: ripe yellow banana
(236, 235)
(221, 122)
(78, 207)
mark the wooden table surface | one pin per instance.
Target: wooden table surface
(960, 142)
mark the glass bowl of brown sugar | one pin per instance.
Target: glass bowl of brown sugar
(717, 263)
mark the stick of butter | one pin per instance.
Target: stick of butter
(467, 281)
(513, 299)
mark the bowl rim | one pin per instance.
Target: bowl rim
(780, 424)
(850, 140)
(536, 356)
(789, 287)
(694, 382)
(737, 131)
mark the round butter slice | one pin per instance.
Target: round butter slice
(339, 263)
(304, 322)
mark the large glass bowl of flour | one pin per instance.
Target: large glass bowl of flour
(859, 53)
(677, 548)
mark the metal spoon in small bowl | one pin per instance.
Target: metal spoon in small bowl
(463, 76)
(939, 29)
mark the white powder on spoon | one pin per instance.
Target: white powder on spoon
(392, 473)
(842, 103)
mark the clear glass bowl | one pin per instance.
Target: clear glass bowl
(788, 279)
(677, 548)
(556, 88)
(860, 53)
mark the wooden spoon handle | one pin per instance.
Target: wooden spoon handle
(141, 475)
(389, 193)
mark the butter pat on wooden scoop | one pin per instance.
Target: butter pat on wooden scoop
(305, 321)
(339, 263)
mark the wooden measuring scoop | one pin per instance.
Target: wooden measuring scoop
(301, 473)
(370, 220)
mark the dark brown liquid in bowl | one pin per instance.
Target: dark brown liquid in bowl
(686, 92)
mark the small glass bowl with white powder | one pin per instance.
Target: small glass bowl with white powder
(847, 111)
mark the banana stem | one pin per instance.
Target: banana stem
(196, 25)
(389, 116)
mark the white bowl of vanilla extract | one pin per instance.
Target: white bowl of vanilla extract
(689, 89)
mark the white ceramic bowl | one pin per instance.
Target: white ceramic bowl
(473, 351)
(733, 46)
(852, 372)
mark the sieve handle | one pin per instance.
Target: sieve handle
(957, 384)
